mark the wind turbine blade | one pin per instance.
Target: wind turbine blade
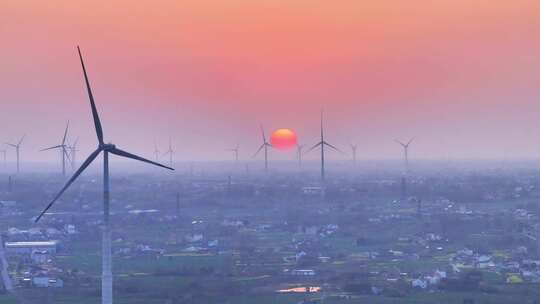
(263, 136)
(20, 141)
(410, 141)
(315, 146)
(97, 122)
(86, 163)
(333, 147)
(119, 152)
(55, 147)
(65, 133)
(259, 150)
(322, 131)
(400, 143)
(12, 145)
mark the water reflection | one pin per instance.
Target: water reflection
(305, 289)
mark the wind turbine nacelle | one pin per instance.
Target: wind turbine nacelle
(108, 147)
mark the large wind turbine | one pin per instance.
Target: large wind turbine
(235, 151)
(17, 151)
(64, 150)
(106, 279)
(405, 147)
(170, 152)
(265, 145)
(323, 143)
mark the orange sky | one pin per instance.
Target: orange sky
(459, 74)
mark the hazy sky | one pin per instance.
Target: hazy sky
(460, 75)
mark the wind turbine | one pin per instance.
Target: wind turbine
(235, 150)
(354, 148)
(405, 147)
(106, 280)
(73, 153)
(405, 173)
(323, 143)
(170, 152)
(4, 153)
(299, 149)
(265, 145)
(64, 150)
(17, 151)
(156, 152)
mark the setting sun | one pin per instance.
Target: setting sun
(283, 139)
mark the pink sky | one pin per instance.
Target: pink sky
(461, 76)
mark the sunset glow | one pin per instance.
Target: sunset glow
(381, 69)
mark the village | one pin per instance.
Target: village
(471, 237)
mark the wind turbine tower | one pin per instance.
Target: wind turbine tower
(235, 151)
(109, 148)
(17, 148)
(405, 173)
(265, 145)
(170, 152)
(405, 147)
(353, 149)
(63, 150)
(4, 153)
(73, 153)
(299, 149)
(156, 152)
(323, 143)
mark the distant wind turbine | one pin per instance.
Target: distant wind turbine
(265, 145)
(405, 147)
(63, 150)
(170, 152)
(322, 143)
(299, 149)
(405, 173)
(106, 280)
(4, 153)
(156, 152)
(354, 148)
(73, 153)
(235, 151)
(17, 151)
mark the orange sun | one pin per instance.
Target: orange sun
(283, 139)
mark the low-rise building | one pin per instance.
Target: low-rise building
(29, 247)
(303, 272)
(45, 281)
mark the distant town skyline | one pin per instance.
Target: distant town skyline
(460, 76)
